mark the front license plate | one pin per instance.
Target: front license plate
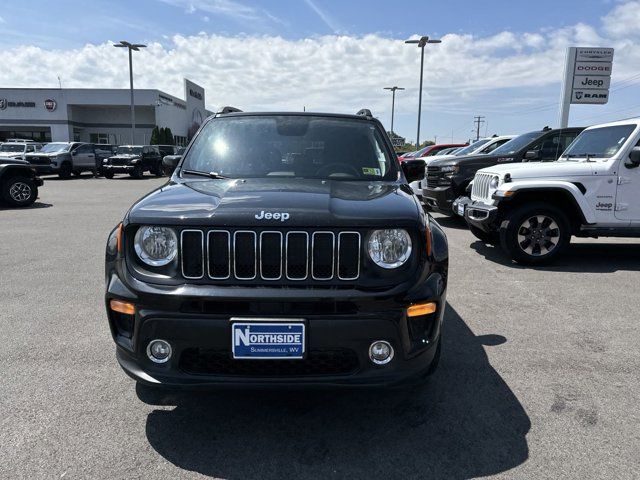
(267, 341)
(461, 209)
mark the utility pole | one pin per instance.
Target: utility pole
(478, 120)
(393, 103)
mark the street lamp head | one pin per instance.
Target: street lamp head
(131, 46)
(422, 41)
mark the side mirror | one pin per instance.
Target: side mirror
(413, 170)
(170, 162)
(634, 158)
(532, 155)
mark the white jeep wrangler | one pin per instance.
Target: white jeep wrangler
(533, 209)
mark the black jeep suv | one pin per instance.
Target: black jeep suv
(448, 179)
(18, 182)
(287, 248)
(134, 160)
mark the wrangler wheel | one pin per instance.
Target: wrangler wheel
(535, 234)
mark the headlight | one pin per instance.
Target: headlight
(450, 169)
(106, 160)
(495, 183)
(156, 246)
(389, 248)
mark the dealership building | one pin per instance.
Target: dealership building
(98, 115)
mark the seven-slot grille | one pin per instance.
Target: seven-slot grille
(270, 255)
(481, 186)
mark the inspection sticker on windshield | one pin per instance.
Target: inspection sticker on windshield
(267, 341)
(371, 171)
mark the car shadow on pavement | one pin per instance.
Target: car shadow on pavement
(464, 422)
(33, 206)
(456, 222)
(578, 257)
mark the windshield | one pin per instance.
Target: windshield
(516, 144)
(56, 147)
(129, 151)
(472, 147)
(12, 148)
(291, 146)
(601, 142)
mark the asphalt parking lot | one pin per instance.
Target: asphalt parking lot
(539, 376)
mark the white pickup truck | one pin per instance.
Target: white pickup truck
(533, 209)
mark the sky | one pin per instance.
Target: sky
(499, 59)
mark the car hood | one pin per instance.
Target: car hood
(545, 169)
(308, 203)
(12, 161)
(45, 154)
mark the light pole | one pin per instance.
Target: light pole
(421, 42)
(131, 47)
(393, 102)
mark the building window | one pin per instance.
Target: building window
(99, 138)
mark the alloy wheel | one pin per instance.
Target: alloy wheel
(20, 192)
(538, 235)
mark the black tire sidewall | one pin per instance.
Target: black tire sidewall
(6, 196)
(65, 170)
(492, 238)
(108, 175)
(137, 171)
(510, 226)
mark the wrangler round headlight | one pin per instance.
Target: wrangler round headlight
(495, 183)
(156, 246)
(389, 248)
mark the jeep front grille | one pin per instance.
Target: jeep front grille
(270, 255)
(481, 187)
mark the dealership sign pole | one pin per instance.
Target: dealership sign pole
(587, 76)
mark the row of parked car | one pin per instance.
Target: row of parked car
(584, 183)
(21, 161)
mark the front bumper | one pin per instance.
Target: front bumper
(117, 168)
(197, 324)
(482, 216)
(45, 169)
(439, 199)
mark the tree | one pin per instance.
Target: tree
(155, 136)
(168, 137)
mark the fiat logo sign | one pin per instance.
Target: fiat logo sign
(50, 104)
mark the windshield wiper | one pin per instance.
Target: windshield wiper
(205, 174)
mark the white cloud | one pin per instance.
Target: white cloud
(623, 20)
(227, 8)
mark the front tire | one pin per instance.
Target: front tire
(65, 170)
(137, 172)
(19, 191)
(108, 174)
(535, 234)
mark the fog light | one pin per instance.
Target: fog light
(159, 351)
(380, 352)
